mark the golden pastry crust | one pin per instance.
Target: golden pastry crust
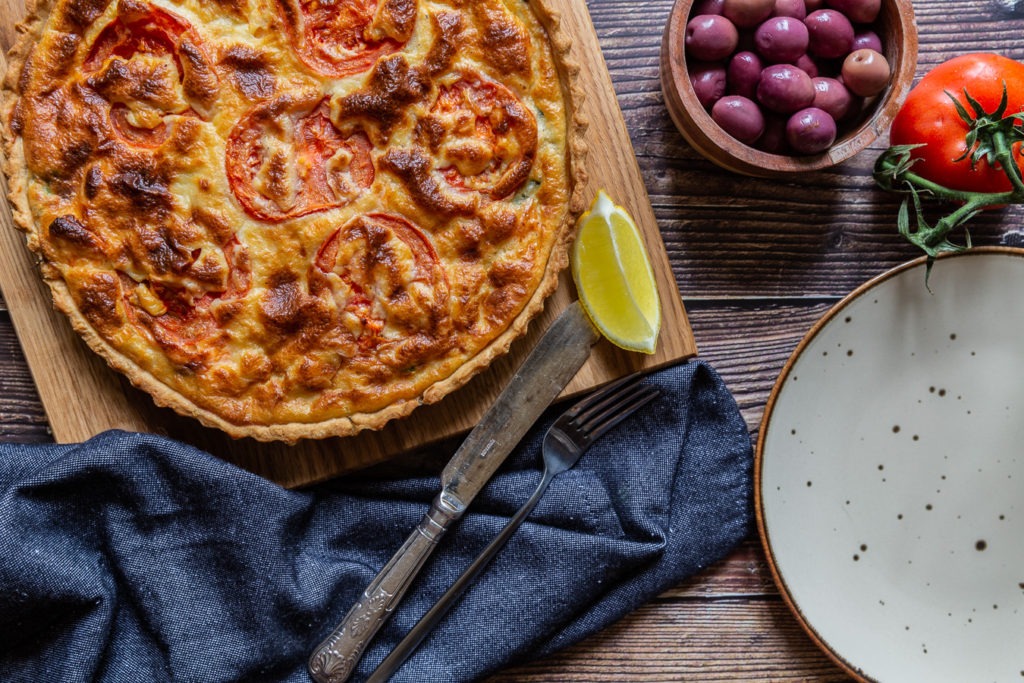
(293, 219)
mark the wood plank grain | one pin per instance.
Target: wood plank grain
(83, 397)
(22, 419)
(669, 640)
(10, 8)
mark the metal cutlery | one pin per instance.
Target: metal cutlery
(565, 441)
(549, 367)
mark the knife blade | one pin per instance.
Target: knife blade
(555, 360)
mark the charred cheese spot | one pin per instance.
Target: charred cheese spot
(93, 182)
(199, 81)
(383, 103)
(250, 71)
(394, 84)
(70, 231)
(503, 302)
(447, 30)
(162, 251)
(145, 189)
(187, 305)
(282, 303)
(213, 223)
(235, 8)
(148, 80)
(415, 170)
(394, 19)
(61, 134)
(77, 16)
(16, 122)
(505, 43)
(317, 373)
(59, 59)
(145, 33)
(293, 316)
(485, 134)
(96, 294)
(133, 10)
(478, 139)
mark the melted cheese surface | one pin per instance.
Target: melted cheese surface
(294, 211)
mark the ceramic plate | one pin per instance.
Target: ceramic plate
(890, 470)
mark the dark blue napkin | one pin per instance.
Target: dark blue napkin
(134, 558)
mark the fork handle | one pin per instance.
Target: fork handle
(428, 621)
(334, 660)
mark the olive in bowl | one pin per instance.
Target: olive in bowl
(820, 80)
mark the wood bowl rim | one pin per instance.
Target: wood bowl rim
(704, 135)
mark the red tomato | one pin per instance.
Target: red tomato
(337, 38)
(153, 31)
(280, 168)
(929, 117)
(383, 290)
(483, 121)
(189, 318)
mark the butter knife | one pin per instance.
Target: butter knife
(553, 362)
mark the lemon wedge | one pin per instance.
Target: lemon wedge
(614, 278)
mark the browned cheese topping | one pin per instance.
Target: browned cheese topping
(291, 211)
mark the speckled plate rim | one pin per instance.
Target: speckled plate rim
(833, 313)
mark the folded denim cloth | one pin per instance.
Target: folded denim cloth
(132, 557)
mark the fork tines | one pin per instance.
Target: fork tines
(598, 413)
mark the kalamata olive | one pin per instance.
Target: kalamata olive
(773, 139)
(810, 131)
(781, 39)
(708, 81)
(857, 11)
(790, 8)
(743, 73)
(740, 117)
(807, 65)
(865, 72)
(747, 13)
(784, 88)
(868, 39)
(832, 97)
(707, 7)
(710, 37)
(830, 33)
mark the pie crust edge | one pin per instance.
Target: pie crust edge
(16, 170)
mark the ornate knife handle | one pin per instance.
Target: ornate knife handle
(334, 660)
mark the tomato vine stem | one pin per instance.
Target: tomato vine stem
(990, 139)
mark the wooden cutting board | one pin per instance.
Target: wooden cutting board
(83, 397)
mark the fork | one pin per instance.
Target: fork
(564, 443)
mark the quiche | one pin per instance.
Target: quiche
(295, 218)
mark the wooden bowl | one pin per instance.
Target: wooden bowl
(895, 25)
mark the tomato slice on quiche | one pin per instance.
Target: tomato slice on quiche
(388, 282)
(483, 135)
(149, 64)
(287, 159)
(345, 38)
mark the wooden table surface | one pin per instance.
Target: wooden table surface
(758, 262)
